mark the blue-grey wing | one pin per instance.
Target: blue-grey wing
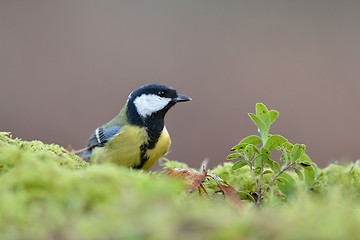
(101, 136)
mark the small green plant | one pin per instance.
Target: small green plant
(258, 158)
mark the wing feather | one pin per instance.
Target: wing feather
(101, 136)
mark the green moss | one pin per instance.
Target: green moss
(166, 164)
(49, 193)
(16, 151)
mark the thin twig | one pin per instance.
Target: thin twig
(286, 168)
(202, 190)
(259, 192)
(252, 171)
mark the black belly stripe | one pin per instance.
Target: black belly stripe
(143, 151)
(154, 127)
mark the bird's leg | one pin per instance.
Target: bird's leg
(83, 150)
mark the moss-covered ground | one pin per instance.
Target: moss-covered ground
(48, 193)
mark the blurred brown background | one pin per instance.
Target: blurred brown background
(67, 67)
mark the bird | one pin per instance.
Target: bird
(137, 136)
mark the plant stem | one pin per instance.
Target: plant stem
(286, 168)
(252, 171)
(259, 192)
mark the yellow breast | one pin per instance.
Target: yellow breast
(161, 147)
(124, 148)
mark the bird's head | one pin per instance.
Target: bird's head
(152, 100)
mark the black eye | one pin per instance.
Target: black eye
(161, 94)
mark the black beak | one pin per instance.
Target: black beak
(182, 98)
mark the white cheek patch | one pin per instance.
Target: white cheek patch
(148, 104)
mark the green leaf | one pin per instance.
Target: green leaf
(249, 162)
(309, 175)
(288, 146)
(249, 151)
(288, 185)
(264, 131)
(305, 159)
(263, 113)
(299, 173)
(279, 179)
(297, 151)
(274, 166)
(240, 147)
(234, 156)
(273, 115)
(257, 171)
(247, 194)
(316, 169)
(266, 153)
(286, 188)
(252, 139)
(258, 160)
(274, 141)
(267, 171)
(256, 149)
(283, 158)
(289, 178)
(239, 164)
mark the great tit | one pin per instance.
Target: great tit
(137, 136)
